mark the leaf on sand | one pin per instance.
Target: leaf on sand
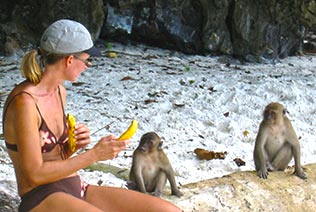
(203, 154)
(148, 101)
(127, 78)
(246, 133)
(239, 162)
(177, 105)
(226, 114)
(77, 83)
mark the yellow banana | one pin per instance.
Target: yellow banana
(71, 132)
(130, 131)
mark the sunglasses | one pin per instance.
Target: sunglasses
(87, 62)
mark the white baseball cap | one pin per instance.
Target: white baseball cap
(68, 37)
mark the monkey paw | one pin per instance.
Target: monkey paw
(156, 193)
(177, 193)
(300, 174)
(263, 174)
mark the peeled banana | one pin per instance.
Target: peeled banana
(131, 130)
(71, 132)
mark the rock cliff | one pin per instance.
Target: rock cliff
(252, 30)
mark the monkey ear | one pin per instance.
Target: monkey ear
(285, 112)
(160, 145)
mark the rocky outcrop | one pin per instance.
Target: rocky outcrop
(253, 30)
(25, 21)
(245, 191)
(242, 191)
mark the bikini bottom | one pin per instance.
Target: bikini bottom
(71, 185)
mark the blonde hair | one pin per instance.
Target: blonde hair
(30, 68)
(34, 62)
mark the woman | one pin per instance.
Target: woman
(36, 132)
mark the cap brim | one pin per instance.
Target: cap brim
(93, 51)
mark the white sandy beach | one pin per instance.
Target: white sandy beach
(190, 101)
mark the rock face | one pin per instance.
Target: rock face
(248, 29)
(242, 191)
(25, 21)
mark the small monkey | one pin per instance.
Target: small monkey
(151, 167)
(276, 143)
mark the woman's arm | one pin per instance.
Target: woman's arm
(35, 169)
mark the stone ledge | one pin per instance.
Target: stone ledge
(245, 191)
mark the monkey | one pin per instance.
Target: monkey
(276, 143)
(151, 167)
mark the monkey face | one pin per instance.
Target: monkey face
(150, 141)
(146, 145)
(274, 111)
(269, 114)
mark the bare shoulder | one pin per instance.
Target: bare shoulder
(18, 98)
(21, 107)
(20, 101)
(20, 111)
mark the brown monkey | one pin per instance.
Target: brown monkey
(151, 167)
(276, 143)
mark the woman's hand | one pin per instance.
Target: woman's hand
(108, 147)
(82, 135)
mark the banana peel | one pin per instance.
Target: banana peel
(131, 130)
(71, 132)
